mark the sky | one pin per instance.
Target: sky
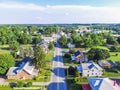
(59, 11)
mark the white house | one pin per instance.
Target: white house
(44, 45)
(103, 84)
(90, 69)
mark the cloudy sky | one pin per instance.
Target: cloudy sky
(59, 11)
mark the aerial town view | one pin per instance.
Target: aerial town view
(59, 44)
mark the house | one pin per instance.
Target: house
(103, 84)
(79, 56)
(26, 70)
(44, 46)
(70, 45)
(104, 64)
(90, 69)
(107, 63)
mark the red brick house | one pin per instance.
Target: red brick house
(26, 70)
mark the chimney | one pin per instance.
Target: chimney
(114, 83)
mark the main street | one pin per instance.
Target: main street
(58, 81)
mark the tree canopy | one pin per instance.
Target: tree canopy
(39, 57)
(98, 54)
(6, 61)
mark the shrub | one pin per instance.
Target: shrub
(29, 84)
(20, 84)
(67, 55)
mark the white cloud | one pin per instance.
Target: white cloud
(26, 13)
(20, 6)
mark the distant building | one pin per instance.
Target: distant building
(90, 69)
(26, 70)
(79, 56)
(71, 45)
(44, 46)
(103, 84)
(107, 64)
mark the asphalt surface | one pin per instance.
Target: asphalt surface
(58, 81)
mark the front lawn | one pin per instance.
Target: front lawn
(114, 56)
(111, 74)
(4, 49)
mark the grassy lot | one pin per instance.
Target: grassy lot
(26, 46)
(111, 74)
(75, 83)
(114, 57)
(4, 49)
(7, 87)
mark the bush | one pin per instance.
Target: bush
(72, 51)
(114, 49)
(20, 84)
(29, 84)
(71, 70)
(67, 55)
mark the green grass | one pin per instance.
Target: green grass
(111, 74)
(102, 47)
(5, 87)
(4, 49)
(114, 57)
(26, 45)
(50, 55)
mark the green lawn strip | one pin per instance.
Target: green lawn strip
(114, 57)
(74, 83)
(26, 45)
(111, 74)
(50, 55)
(5, 87)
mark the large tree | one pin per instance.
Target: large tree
(111, 40)
(6, 61)
(63, 40)
(51, 45)
(39, 57)
(98, 54)
(14, 45)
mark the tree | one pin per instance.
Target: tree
(63, 40)
(29, 84)
(6, 61)
(114, 49)
(14, 45)
(111, 40)
(37, 39)
(39, 57)
(98, 54)
(51, 45)
(118, 39)
(25, 39)
(20, 84)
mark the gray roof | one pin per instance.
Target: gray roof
(88, 66)
(10, 71)
(28, 67)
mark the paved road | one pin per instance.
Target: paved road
(58, 81)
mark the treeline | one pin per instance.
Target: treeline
(14, 35)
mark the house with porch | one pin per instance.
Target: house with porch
(90, 69)
(79, 57)
(25, 70)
